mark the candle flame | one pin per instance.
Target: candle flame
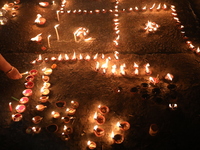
(33, 62)
(36, 38)
(102, 56)
(42, 4)
(67, 109)
(164, 6)
(53, 113)
(72, 102)
(136, 72)
(144, 8)
(65, 128)
(136, 8)
(135, 65)
(53, 58)
(151, 26)
(105, 66)
(151, 79)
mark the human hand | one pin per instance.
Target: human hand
(14, 74)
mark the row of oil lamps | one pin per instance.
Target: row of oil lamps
(181, 27)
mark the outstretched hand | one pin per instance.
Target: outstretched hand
(14, 74)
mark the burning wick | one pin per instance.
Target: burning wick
(56, 29)
(25, 73)
(91, 145)
(113, 69)
(147, 71)
(122, 69)
(40, 20)
(55, 114)
(48, 40)
(173, 106)
(123, 125)
(116, 55)
(37, 38)
(10, 106)
(169, 77)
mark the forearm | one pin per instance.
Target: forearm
(4, 65)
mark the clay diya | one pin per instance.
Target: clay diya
(29, 78)
(27, 92)
(74, 104)
(16, 2)
(70, 111)
(99, 131)
(23, 100)
(45, 78)
(123, 125)
(68, 130)
(46, 85)
(66, 119)
(91, 145)
(60, 104)
(33, 72)
(52, 128)
(47, 71)
(37, 119)
(44, 99)
(103, 109)
(65, 136)
(118, 138)
(31, 130)
(17, 117)
(20, 108)
(45, 91)
(99, 119)
(55, 114)
(29, 85)
(40, 107)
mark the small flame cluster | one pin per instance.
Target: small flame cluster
(63, 3)
(80, 34)
(151, 27)
(181, 27)
(116, 23)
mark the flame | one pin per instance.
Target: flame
(44, 69)
(34, 129)
(37, 20)
(151, 26)
(164, 6)
(66, 57)
(97, 66)
(136, 8)
(99, 106)
(60, 57)
(89, 142)
(88, 39)
(112, 134)
(147, 68)
(102, 56)
(105, 66)
(113, 69)
(95, 56)
(136, 72)
(116, 55)
(87, 57)
(152, 6)
(56, 26)
(116, 42)
(122, 69)
(130, 9)
(33, 62)
(53, 58)
(42, 4)
(159, 6)
(117, 32)
(36, 38)
(74, 56)
(118, 124)
(198, 50)
(63, 2)
(135, 65)
(65, 128)
(169, 76)
(144, 8)
(173, 106)
(80, 57)
(53, 113)
(40, 57)
(95, 127)
(95, 115)
(191, 46)
(151, 79)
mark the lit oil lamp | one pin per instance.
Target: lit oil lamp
(151, 8)
(147, 71)
(17, 117)
(91, 145)
(47, 71)
(154, 80)
(40, 20)
(23, 100)
(87, 58)
(198, 51)
(16, 2)
(29, 78)
(164, 6)
(173, 106)
(44, 99)
(98, 131)
(153, 129)
(60, 104)
(123, 125)
(97, 66)
(53, 58)
(117, 138)
(46, 85)
(113, 70)
(65, 136)
(40, 107)
(68, 130)
(29, 84)
(151, 27)
(37, 119)
(44, 91)
(52, 128)
(33, 72)
(45, 78)
(37, 38)
(74, 104)
(66, 119)
(44, 4)
(33, 62)
(103, 109)
(27, 92)
(36, 130)
(99, 119)
(169, 77)
(70, 111)
(55, 114)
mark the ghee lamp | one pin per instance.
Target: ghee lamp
(70, 111)
(20, 108)
(103, 109)
(55, 114)
(16, 117)
(37, 119)
(123, 125)
(74, 104)
(40, 107)
(99, 131)
(23, 100)
(91, 145)
(99, 119)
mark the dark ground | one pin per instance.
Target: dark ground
(165, 50)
